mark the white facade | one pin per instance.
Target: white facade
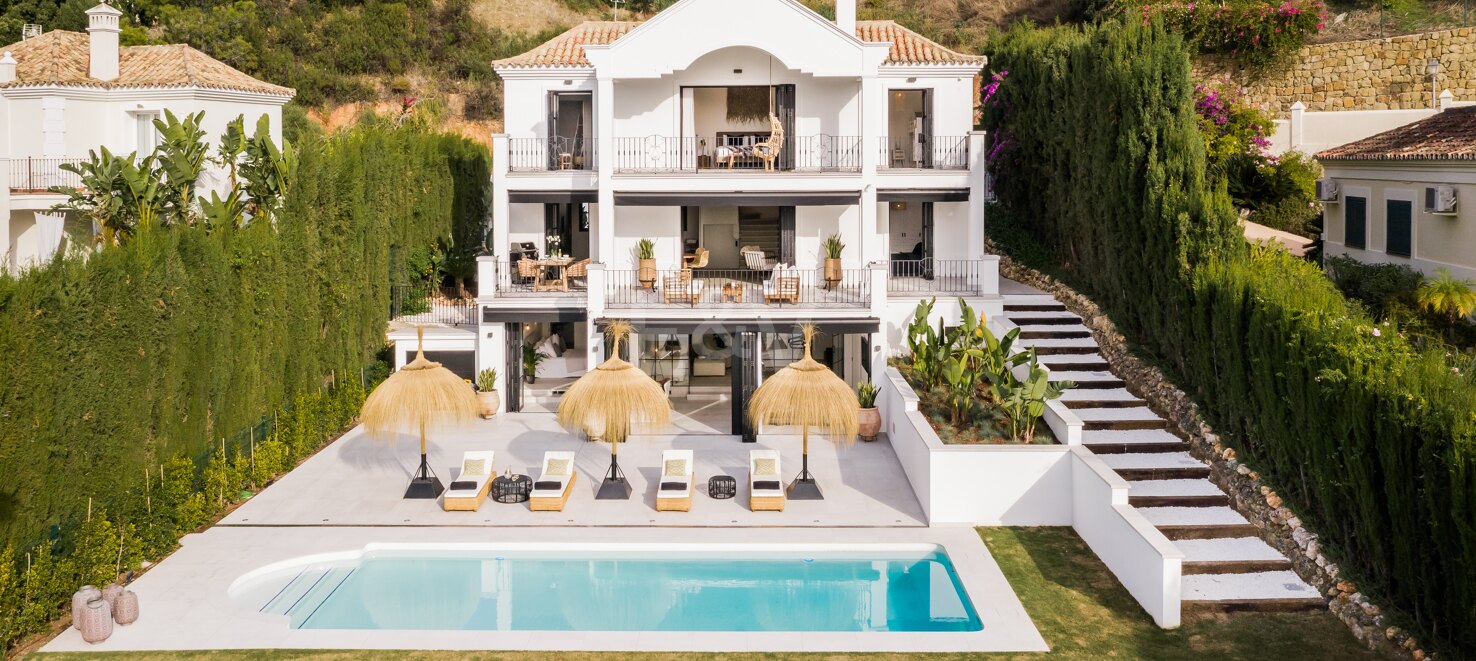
(44, 124)
(621, 132)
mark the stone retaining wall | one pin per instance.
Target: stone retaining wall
(1279, 526)
(1376, 74)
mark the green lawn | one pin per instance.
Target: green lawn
(1080, 608)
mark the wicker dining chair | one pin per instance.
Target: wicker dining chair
(527, 270)
(579, 269)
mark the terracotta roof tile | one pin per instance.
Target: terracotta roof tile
(1445, 136)
(566, 50)
(60, 57)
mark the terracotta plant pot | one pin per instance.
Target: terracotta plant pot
(870, 424)
(490, 403)
(647, 273)
(125, 608)
(79, 602)
(832, 271)
(97, 621)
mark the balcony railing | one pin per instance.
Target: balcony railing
(550, 154)
(529, 278)
(38, 175)
(737, 289)
(667, 154)
(939, 153)
(935, 276)
(424, 304)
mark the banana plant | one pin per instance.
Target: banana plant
(1024, 400)
(926, 345)
(176, 165)
(218, 212)
(960, 382)
(268, 171)
(100, 197)
(232, 145)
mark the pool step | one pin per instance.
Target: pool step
(293, 591)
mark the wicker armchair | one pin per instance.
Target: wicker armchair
(527, 270)
(767, 151)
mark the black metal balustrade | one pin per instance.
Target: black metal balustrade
(739, 288)
(534, 278)
(935, 153)
(38, 175)
(935, 276)
(425, 304)
(658, 154)
(550, 154)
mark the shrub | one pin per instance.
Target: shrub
(1376, 286)
(1372, 440)
(1252, 33)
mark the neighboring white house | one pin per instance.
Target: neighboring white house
(662, 130)
(1405, 196)
(64, 93)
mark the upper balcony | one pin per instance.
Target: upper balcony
(29, 175)
(737, 152)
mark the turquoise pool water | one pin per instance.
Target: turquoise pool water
(566, 591)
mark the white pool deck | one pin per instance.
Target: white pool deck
(349, 495)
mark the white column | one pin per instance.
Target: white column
(602, 232)
(873, 118)
(492, 352)
(978, 153)
(1297, 110)
(53, 126)
(501, 208)
(597, 284)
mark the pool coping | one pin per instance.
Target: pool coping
(186, 602)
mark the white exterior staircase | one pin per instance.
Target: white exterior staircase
(1227, 567)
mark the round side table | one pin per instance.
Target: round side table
(722, 487)
(511, 489)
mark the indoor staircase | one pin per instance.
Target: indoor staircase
(1227, 567)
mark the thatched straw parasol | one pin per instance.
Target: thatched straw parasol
(807, 394)
(419, 395)
(608, 401)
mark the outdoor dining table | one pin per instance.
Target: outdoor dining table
(555, 264)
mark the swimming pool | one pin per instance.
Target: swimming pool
(862, 588)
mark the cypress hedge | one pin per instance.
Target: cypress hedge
(135, 363)
(1097, 160)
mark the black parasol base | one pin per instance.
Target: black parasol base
(425, 485)
(614, 487)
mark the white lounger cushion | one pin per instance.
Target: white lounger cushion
(754, 476)
(681, 461)
(566, 461)
(479, 479)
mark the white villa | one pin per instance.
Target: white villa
(736, 154)
(65, 93)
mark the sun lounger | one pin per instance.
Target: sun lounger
(765, 489)
(554, 483)
(469, 488)
(674, 491)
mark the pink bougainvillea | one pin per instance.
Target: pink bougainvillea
(1251, 32)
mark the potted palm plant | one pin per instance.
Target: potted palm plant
(646, 262)
(833, 248)
(487, 392)
(532, 358)
(869, 423)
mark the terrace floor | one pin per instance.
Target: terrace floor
(358, 481)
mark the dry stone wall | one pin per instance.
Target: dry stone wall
(1375, 74)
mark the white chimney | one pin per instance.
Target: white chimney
(845, 15)
(102, 25)
(7, 68)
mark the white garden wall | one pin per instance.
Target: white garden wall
(1047, 485)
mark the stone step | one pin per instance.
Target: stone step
(1115, 441)
(1176, 493)
(1120, 419)
(1066, 345)
(1156, 466)
(1048, 331)
(1077, 362)
(1019, 301)
(1233, 555)
(1092, 380)
(1270, 591)
(1198, 522)
(1045, 319)
(1079, 398)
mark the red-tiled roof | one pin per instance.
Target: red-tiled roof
(566, 50)
(1446, 136)
(61, 57)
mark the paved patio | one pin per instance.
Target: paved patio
(358, 481)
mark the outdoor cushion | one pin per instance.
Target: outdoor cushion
(764, 467)
(558, 466)
(675, 468)
(766, 486)
(548, 485)
(465, 485)
(673, 486)
(474, 467)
